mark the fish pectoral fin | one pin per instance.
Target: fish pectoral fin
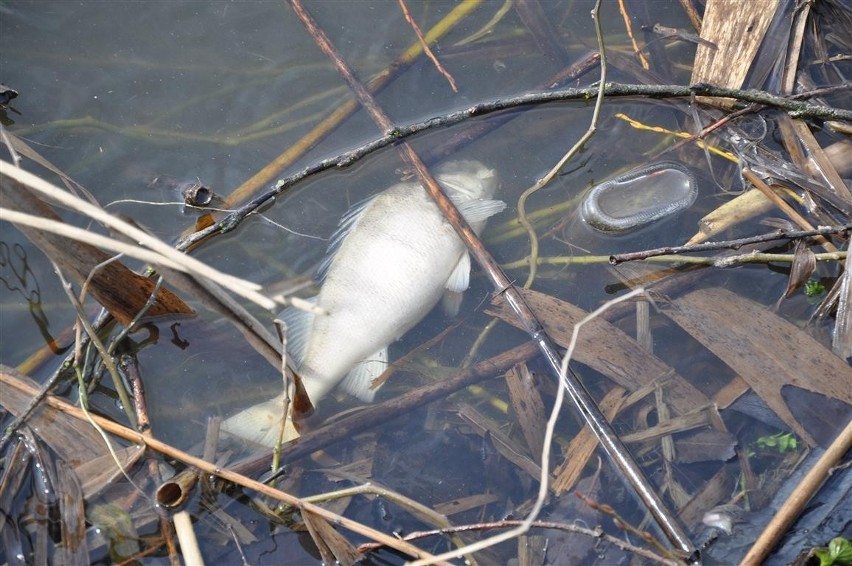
(460, 277)
(456, 285)
(346, 225)
(480, 210)
(357, 382)
(298, 329)
(451, 302)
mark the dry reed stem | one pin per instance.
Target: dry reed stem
(324, 128)
(223, 473)
(158, 252)
(628, 25)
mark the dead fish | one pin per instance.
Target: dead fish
(390, 262)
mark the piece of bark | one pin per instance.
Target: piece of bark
(737, 29)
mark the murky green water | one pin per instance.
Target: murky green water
(118, 94)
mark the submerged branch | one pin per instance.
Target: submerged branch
(582, 400)
(729, 244)
(395, 133)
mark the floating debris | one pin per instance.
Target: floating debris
(639, 197)
(7, 94)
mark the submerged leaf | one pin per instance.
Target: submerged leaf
(765, 350)
(118, 289)
(606, 349)
(803, 266)
(42, 504)
(705, 446)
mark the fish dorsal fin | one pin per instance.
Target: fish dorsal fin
(357, 382)
(298, 324)
(347, 222)
(479, 210)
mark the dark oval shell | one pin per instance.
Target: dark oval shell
(639, 196)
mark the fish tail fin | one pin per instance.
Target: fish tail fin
(260, 423)
(359, 380)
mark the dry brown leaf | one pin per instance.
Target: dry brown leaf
(465, 503)
(74, 441)
(606, 349)
(713, 492)
(765, 350)
(802, 267)
(527, 406)
(583, 446)
(118, 289)
(705, 446)
(333, 546)
(508, 447)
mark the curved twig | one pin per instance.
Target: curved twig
(395, 133)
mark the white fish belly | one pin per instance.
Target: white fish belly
(387, 275)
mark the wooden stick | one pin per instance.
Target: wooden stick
(584, 403)
(112, 427)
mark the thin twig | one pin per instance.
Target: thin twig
(348, 108)
(628, 25)
(170, 257)
(568, 527)
(754, 256)
(791, 212)
(522, 200)
(729, 244)
(426, 49)
(99, 346)
(397, 133)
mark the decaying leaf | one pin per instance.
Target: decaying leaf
(705, 446)
(584, 444)
(527, 405)
(605, 348)
(121, 291)
(765, 350)
(841, 342)
(76, 442)
(803, 266)
(333, 546)
(42, 504)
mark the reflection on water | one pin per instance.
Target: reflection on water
(208, 94)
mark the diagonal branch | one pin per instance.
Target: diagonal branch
(583, 401)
